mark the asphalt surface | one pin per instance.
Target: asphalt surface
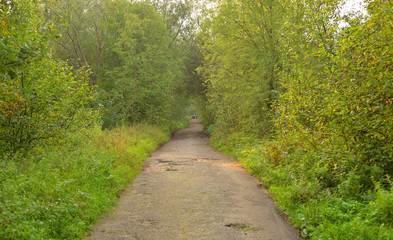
(189, 190)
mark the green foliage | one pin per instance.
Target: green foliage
(143, 83)
(382, 206)
(40, 98)
(318, 211)
(240, 65)
(43, 101)
(338, 113)
(135, 53)
(59, 192)
(57, 176)
(22, 36)
(330, 140)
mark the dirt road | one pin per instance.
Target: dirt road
(188, 190)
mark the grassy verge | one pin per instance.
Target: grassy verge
(58, 192)
(320, 212)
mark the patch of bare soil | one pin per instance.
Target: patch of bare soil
(188, 190)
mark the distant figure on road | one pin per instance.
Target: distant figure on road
(194, 116)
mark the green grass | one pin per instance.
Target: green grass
(58, 192)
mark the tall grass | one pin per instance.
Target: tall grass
(58, 192)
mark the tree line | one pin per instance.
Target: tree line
(66, 64)
(301, 90)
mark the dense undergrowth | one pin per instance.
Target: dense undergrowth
(319, 212)
(59, 191)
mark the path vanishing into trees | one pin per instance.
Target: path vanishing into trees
(188, 190)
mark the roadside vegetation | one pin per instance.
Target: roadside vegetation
(59, 191)
(88, 89)
(301, 92)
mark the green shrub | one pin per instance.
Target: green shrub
(382, 206)
(41, 98)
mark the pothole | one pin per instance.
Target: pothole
(164, 161)
(241, 227)
(171, 170)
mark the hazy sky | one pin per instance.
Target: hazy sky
(354, 5)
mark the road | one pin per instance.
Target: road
(189, 190)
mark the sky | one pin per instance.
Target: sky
(354, 5)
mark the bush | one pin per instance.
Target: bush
(40, 98)
(382, 206)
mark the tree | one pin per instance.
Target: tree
(40, 97)
(82, 26)
(335, 107)
(144, 82)
(241, 63)
(137, 71)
